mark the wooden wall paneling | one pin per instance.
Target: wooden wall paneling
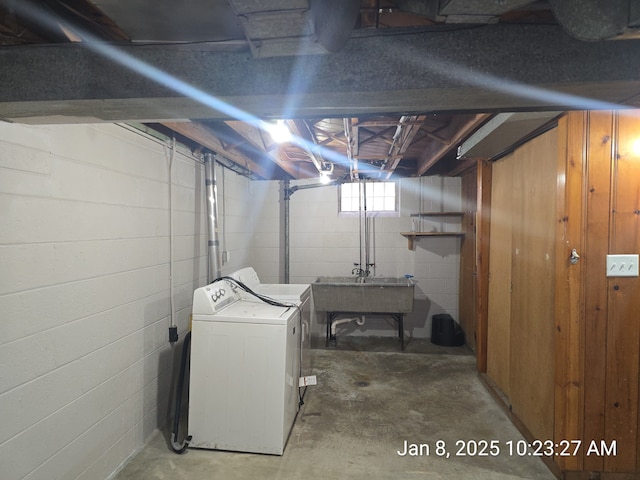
(598, 157)
(623, 333)
(499, 285)
(532, 300)
(467, 302)
(483, 237)
(569, 334)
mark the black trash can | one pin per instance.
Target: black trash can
(445, 331)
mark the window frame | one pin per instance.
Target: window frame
(370, 212)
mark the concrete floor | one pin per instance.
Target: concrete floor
(369, 400)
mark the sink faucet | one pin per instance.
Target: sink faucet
(360, 272)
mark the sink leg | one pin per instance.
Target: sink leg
(328, 335)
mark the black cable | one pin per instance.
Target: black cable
(264, 298)
(175, 445)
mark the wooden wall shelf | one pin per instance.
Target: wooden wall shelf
(438, 214)
(411, 236)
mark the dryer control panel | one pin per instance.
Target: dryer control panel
(212, 298)
(248, 276)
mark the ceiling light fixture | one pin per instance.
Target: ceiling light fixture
(325, 177)
(279, 131)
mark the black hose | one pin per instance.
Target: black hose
(180, 447)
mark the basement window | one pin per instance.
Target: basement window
(381, 198)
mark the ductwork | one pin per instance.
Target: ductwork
(596, 19)
(503, 133)
(333, 21)
(589, 20)
(460, 11)
(296, 27)
(213, 244)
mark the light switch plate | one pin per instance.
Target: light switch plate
(622, 265)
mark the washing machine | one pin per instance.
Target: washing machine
(298, 293)
(245, 362)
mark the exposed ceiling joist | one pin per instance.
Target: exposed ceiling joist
(461, 127)
(406, 130)
(261, 140)
(301, 129)
(205, 137)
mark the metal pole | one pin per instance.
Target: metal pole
(212, 217)
(286, 229)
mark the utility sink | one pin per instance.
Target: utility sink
(363, 295)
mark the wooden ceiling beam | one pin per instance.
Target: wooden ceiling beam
(303, 130)
(462, 167)
(460, 127)
(406, 130)
(271, 150)
(375, 135)
(385, 123)
(434, 136)
(332, 136)
(201, 134)
(250, 133)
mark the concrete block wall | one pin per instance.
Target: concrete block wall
(86, 370)
(85, 364)
(235, 206)
(324, 243)
(267, 239)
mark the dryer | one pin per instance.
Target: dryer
(298, 293)
(245, 361)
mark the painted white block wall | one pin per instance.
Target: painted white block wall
(267, 240)
(323, 243)
(85, 363)
(234, 210)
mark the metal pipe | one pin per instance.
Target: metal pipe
(172, 156)
(286, 213)
(361, 226)
(212, 217)
(366, 235)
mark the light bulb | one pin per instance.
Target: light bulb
(279, 131)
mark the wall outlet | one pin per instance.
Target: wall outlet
(622, 265)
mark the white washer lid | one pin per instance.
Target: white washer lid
(248, 311)
(290, 291)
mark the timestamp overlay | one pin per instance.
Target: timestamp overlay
(512, 448)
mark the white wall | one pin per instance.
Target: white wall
(234, 208)
(266, 238)
(85, 363)
(322, 243)
(86, 370)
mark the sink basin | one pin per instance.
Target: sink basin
(373, 295)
